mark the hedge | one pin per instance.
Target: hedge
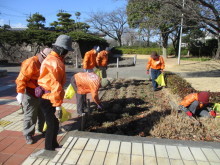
(46, 38)
(142, 50)
(181, 87)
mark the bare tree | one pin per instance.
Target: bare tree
(112, 24)
(206, 12)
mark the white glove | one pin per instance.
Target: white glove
(20, 97)
(58, 112)
(58, 108)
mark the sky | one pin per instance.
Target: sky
(15, 12)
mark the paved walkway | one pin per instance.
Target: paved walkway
(13, 149)
(95, 149)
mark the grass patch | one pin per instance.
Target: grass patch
(195, 58)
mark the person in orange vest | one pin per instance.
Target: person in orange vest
(83, 83)
(197, 104)
(89, 60)
(102, 61)
(156, 65)
(51, 82)
(26, 84)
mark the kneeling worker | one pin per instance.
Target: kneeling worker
(83, 83)
(197, 104)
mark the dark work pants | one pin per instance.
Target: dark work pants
(154, 74)
(32, 112)
(80, 99)
(52, 124)
(103, 69)
(198, 112)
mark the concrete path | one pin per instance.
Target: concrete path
(97, 149)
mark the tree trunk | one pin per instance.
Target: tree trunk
(119, 41)
(164, 52)
(165, 43)
(148, 37)
(217, 55)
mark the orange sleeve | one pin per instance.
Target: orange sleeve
(27, 70)
(95, 97)
(86, 60)
(94, 88)
(162, 62)
(57, 92)
(189, 99)
(149, 63)
(98, 59)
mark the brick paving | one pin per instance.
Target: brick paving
(13, 149)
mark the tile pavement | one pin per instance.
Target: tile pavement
(95, 151)
(13, 149)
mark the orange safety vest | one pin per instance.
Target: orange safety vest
(102, 58)
(89, 61)
(88, 83)
(189, 99)
(29, 73)
(52, 78)
(155, 64)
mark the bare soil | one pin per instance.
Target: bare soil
(132, 108)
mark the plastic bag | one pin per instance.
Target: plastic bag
(65, 116)
(216, 107)
(160, 80)
(70, 92)
(98, 72)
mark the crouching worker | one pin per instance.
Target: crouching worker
(83, 83)
(197, 104)
(26, 84)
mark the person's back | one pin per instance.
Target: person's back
(102, 58)
(53, 82)
(89, 61)
(87, 82)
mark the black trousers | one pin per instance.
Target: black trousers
(80, 99)
(52, 124)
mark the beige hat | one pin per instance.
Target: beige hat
(45, 52)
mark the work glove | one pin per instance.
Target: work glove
(58, 113)
(147, 72)
(212, 113)
(188, 113)
(20, 97)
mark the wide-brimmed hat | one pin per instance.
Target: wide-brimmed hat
(64, 41)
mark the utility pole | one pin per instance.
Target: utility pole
(180, 40)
